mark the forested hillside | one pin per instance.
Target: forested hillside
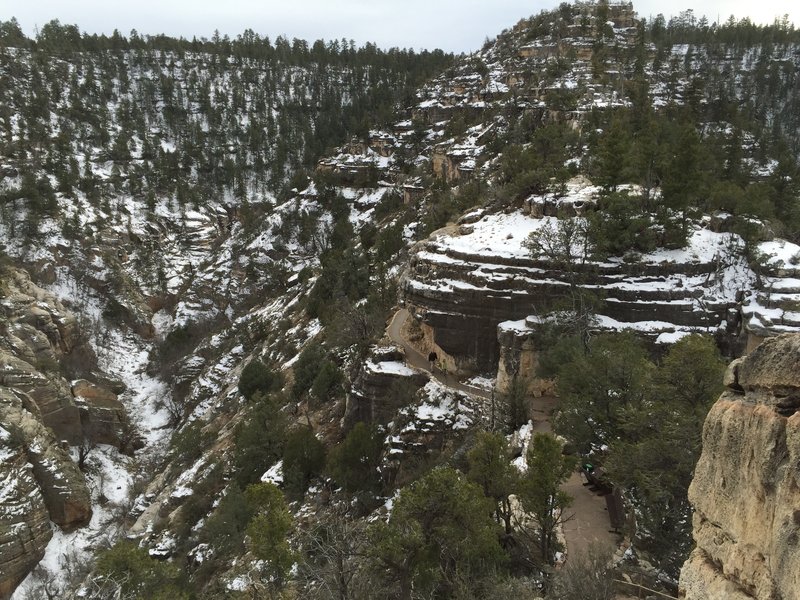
(327, 321)
(155, 117)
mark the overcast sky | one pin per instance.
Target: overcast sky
(453, 25)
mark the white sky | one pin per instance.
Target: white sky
(453, 25)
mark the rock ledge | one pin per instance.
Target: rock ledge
(746, 488)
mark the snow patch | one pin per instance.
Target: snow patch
(391, 368)
(274, 474)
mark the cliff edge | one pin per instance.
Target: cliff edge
(746, 487)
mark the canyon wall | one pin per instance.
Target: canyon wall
(746, 488)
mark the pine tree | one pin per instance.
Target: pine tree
(541, 493)
(439, 529)
(268, 532)
(303, 459)
(491, 468)
(682, 186)
(354, 463)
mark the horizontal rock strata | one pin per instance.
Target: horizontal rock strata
(465, 280)
(39, 483)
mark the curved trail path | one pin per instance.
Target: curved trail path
(589, 523)
(416, 359)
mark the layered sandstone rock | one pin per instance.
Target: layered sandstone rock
(36, 331)
(26, 303)
(51, 395)
(746, 488)
(519, 359)
(103, 416)
(39, 483)
(60, 481)
(465, 280)
(24, 521)
(37, 336)
(383, 385)
(39, 414)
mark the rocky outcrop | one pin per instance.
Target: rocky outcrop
(50, 394)
(436, 422)
(40, 412)
(746, 488)
(382, 385)
(36, 331)
(24, 521)
(771, 306)
(103, 416)
(519, 359)
(38, 337)
(60, 481)
(466, 279)
(39, 483)
(26, 304)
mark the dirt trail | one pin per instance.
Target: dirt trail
(589, 523)
(416, 359)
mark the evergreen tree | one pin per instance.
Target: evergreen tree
(514, 405)
(598, 386)
(303, 459)
(439, 532)
(259, 439)
(257, 378)
(268, 532)
(131, 572)
(658, 444)
(682, 186)
(353, 464)
(491, 468)
(225, 527)
(612, 155)
(541, 493)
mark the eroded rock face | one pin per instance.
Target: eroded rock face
(519, 360)
(39, 483)
(466, 279)
(24, 521)
(103, 417)
(37, 336)
(746, 488)
(36, 331)
(62, 485)
(26, 303)
(51, 395)
(383, 385)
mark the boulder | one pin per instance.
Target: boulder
(731, 378)
(435, 421)
(773, 369)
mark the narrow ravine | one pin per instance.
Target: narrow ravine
(110, 475)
